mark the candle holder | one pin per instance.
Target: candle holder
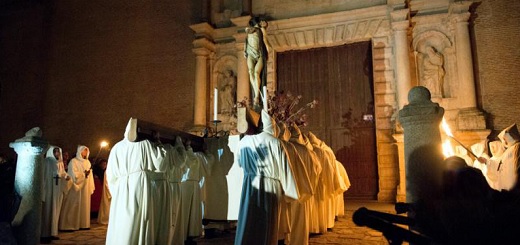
(216, 122)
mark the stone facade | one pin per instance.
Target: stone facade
(405, 40)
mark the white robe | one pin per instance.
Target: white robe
(344, 185)
(497, 150)
(267, 179)
(215, 195)
(54, 188)
(508, 172)
(235, 180)
(479, 150)
(130, 172)
(176, 156)
(104, 206)
(293, 217)
(75, 213)
(196, 168)
(329, 180)
(161, 198)
(302, 210)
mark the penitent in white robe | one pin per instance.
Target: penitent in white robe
(344, 185)
(329, 181)
(215, 195)
(161, 198)
(301, 210)
(130, 172)
(75, 213)
(104, 206)
(176, 156)
(267, 179)
(293, 213)
(54, 188)
(510, 167)
(234, 179)
(197, 166)
(497, 150)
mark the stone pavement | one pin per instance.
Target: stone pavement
(344, 231)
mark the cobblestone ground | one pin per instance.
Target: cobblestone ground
(344, 231)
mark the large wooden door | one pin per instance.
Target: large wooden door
(340, 78)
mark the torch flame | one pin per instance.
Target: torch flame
(103, 144)
(446, 127)
(447, 149)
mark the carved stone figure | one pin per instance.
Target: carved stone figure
(227, 91)
(432, 71)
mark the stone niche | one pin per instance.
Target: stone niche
(398, 39)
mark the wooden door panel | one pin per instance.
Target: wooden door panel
(340, 78)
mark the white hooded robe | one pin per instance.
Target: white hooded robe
(54, 188)
(267, 179)
(75, 213)
(131, 169)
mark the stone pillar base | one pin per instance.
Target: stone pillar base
(471, 119)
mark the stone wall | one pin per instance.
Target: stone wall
(497, 44)
(22, 74)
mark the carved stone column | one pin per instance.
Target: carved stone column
(469, 118)
(401, 187)
(420, 120)
(464, 57)
(28, 184)
(201, 77)
(402, 62)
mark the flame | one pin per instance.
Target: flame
(447, 149)
(446, 127)
(103, 144)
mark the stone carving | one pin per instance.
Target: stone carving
(432, 71)
(227, 87)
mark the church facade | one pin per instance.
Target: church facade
(414, 43)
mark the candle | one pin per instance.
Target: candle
(265, 97)
(215, 105)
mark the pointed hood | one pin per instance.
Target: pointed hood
(497, 148)
(509, 135)
(296, 135)
(313, 139)
(285, 134)
(131, 130)
(299, 138)
(269, 125)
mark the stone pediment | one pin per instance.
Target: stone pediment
(328, 29)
